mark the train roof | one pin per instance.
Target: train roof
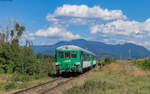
(73, 47)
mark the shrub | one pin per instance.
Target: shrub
(145, 64)
(20, 77)
(107, 60)
(9, 86)
(21, 59)
(15, 58)
(100, 63)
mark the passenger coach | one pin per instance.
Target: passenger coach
(70, 58)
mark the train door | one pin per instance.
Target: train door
(81, 58)
(91, 61)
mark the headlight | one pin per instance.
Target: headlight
(77, 63)
(57, 63)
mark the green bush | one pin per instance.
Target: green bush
(21, 59)
(10, 85)
(107, 60)
(20, 77)
(15, 58)
(145, 64)
(100, 63)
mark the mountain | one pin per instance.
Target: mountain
(127, 50)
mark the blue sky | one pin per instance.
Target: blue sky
(109, 21)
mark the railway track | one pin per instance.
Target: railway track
(50, 86)
(25, 91)
(50, 91)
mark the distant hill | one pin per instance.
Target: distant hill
(99, 48)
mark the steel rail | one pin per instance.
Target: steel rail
(36, 86)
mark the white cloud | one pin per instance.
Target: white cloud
(51, 31)
(83, 15)
(56, 31)
(84, 11)
(95, 29)
(65, 20)
(77, 21)
(146, 25)
(27, 36)
(117, 27)
(51, 17)
(122, 31)
(109, 26)
(121, 27)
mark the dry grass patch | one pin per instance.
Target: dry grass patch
(125, 67)
(5, 78)
(8, 86)
(116, 78)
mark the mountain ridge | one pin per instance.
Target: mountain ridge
(99, 48)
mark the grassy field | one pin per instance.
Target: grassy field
(121, 77)
(8, 85)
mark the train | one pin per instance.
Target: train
(71, 58)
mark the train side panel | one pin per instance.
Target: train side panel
(87, 60)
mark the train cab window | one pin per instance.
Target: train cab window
(73, 54)
(61, 55)
(67, 54)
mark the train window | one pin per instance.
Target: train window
(87, 57)
(73, 54)
(61, 55)
(67, 54)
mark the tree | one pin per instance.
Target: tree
(17, 32)
(21, 59)
(11, 34)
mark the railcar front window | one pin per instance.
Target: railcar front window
(73, 54)
(61, 55)
(67, 54)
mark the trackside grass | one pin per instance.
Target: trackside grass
(144, 64)
(121, 77)
(8, 85)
